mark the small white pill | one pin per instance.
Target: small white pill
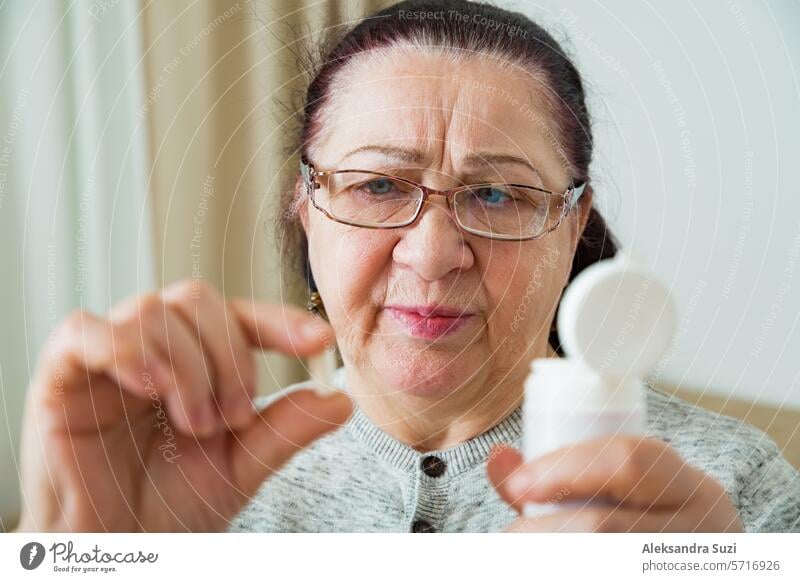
(322, 368)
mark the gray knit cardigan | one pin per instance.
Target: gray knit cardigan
(358, 478)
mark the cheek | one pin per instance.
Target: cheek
(524, 285)
(349, 266)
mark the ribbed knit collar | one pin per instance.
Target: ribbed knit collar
(459, 458)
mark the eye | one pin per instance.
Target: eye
(379, 186)
(491, 195)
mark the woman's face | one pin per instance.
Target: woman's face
(455, 120)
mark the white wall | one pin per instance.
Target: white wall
(697, 117)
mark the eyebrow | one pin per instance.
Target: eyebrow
(417, 156)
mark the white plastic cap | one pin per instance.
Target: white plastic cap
(617, 318)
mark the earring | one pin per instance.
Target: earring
(315, 305)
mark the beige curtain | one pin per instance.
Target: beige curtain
(218, 76)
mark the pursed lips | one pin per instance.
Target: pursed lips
(433, 310)
(430, 321)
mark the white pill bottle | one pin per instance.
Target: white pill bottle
(615, 322)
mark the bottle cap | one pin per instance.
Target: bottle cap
(616, 317)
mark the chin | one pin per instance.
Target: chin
(436, 390)
(425, 375)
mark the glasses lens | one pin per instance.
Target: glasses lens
(512, 211)
(370, 199)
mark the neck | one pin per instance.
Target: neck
(427, 425)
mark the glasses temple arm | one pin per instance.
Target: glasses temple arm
(576, 193)
(305, 170)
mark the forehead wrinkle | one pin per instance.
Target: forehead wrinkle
(431, 126)
(342, 83)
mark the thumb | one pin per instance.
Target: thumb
(504, 461)
(283, 428)
(285, 328)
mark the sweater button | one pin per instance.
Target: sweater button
(433, 466)
(422, 526)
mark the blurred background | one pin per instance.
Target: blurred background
(142, 142)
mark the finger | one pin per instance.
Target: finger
(223, 344)
(504, 461)
(604, 519)
(187, 388)
(286, 426)
(85, 345)
(285, 328)
(641, 472)
(189, 393)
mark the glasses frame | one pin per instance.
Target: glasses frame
(571, 196)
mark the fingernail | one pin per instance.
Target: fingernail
(519, 482)
(311, 330)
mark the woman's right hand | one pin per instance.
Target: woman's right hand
(143, 420)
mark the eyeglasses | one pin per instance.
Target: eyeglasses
(499, 211)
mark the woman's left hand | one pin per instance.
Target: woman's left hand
(642, 485)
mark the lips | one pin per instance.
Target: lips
(430, 322)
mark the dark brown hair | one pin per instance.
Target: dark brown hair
(471, 27)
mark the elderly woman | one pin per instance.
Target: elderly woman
(444, 183)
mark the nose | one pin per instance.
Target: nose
(434, 246)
